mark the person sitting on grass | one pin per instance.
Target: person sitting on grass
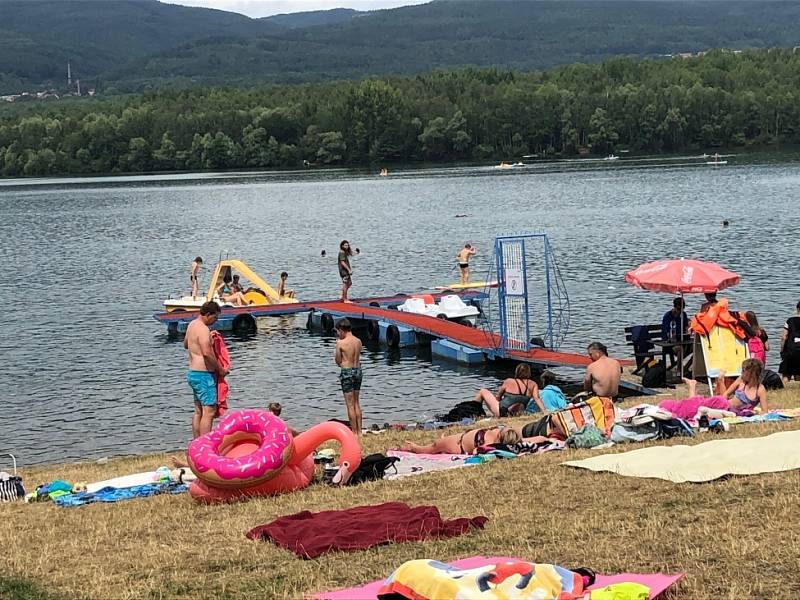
(741, 398)
(551, 395)
(515, 394)
(466, 442)
(748, 393)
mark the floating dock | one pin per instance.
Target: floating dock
(464, 344)
(242, 319)
(456, 341)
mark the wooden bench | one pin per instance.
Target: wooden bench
(642, 358)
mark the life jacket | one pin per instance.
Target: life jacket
(756, 347)
(717, 315)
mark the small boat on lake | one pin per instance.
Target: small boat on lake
(450, 307)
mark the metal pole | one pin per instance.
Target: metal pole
(549, 299)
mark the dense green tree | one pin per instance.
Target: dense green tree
(139, 157)
(602, 135)
(721, 99)
(331, 147)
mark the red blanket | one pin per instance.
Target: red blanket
(310, 534)
(221, 352)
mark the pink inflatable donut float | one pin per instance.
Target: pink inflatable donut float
(251, 453)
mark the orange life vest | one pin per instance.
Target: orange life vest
(717, 315)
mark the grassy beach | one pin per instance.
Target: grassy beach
(734, 538)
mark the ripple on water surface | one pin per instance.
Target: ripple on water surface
(88, 373)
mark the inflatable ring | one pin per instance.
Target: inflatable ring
(392, 336)
(248, 447)
(326, 322)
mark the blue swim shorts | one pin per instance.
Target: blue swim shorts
(203, 386)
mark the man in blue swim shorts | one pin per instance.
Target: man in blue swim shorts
(203, 365)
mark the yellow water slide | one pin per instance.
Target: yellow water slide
(259, 291)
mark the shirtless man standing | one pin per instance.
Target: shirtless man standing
(348, 357)
(193, 274)
(463, 257)
(602, 376)
(202, 366)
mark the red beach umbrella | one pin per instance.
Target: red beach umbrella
(682, 276)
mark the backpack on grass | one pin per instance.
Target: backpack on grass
(11, 485)
(372, 467)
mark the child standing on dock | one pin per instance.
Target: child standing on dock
(193, 274)
(463, 257)
(348, 358)
(345, 272)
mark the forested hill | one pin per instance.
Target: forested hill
(38, 37)
(314, 18)
(719, 100)
(131, 45)
(521, 34)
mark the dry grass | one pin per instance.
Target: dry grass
(734, 538)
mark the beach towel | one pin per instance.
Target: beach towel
(687, 409)
(223, 358)
(111, 494)
(432, 580)
(657, 582)
(769, 417)
(596, 411)
(703, 462)
(417, 464)
(310, 534)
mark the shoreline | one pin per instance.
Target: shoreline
(168, 546)
(790, 152)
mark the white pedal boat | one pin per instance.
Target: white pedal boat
(450, 307)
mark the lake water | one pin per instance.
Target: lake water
(88, 372)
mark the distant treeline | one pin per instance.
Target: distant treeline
(721, 99)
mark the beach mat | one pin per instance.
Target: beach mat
(138, 479)
(657, 582)
(111, 494)
(703, 462)
(419, 464)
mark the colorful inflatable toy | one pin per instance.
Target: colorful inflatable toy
(252, 453)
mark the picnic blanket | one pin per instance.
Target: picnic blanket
(112, 494)
(703, 462)
(310, 534)
(657, 582)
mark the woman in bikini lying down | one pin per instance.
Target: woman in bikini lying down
(467, 442)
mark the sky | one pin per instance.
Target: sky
(264, 8)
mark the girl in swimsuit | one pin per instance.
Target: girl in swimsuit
(747, 392)
(227, 294)
(467, 442)
(513, 395)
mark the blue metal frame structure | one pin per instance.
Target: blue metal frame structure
(516, 277)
